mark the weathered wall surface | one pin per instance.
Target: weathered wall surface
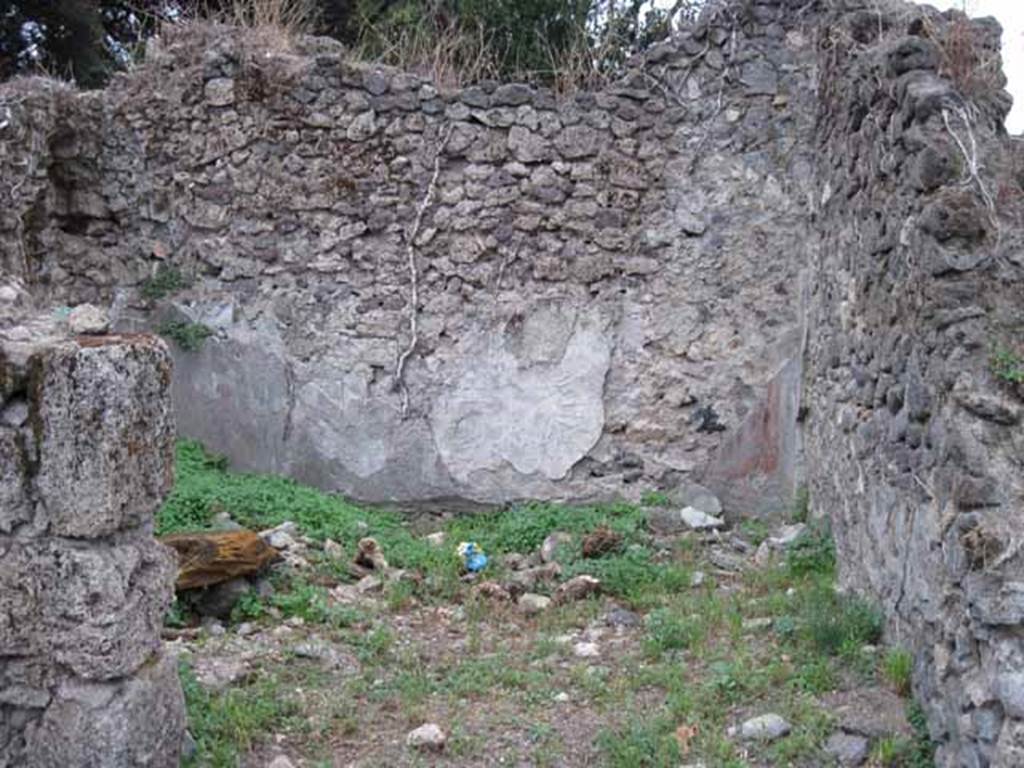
(606, 281)
(85, 459)
(915, 448)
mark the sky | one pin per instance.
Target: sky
(1010, 14)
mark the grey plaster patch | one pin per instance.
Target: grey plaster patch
(540, 418)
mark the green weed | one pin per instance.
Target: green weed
(668, 631)
(248, 608)
(811, 726)
(812, 553)
(831, 621)
(643, 742)
(924, 747)
(167, 280)
(801, 511)
(225, 725)
(524, 528)
(755, 530)
(814, 675)
(203, 487)
(374, 646)
(310, 603)
(188, 336)
(893, 752)
(897, 667)
(175, 616)
(656, 499)
(1007, 365)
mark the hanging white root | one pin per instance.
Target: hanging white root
(414, 278)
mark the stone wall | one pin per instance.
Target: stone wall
(915, 448)
(606, 281)
(85, 459)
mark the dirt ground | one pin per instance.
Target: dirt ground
(667, 677)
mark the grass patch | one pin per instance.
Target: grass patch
(225, 725)
(656, 499)
(643, 742)
(812, 553)
(834, 623)
(897, 667)
(524, 528)
(642, 696)
(668, 631)
(755, 530)
(204, 487)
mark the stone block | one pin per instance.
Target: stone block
(101, 415)
(138, 721)
(96, 609)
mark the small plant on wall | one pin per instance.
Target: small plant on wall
(1007, 365)
(167, 280)
(188, 336)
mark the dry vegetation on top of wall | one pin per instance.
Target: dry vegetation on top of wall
(287, 16)
(454, 49)
(970, 62)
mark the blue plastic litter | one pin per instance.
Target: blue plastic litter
(472, 556)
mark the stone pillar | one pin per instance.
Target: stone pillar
(86, 452)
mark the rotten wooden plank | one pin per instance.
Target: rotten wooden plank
(211, 557)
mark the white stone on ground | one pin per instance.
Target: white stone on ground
(586, 650)
(700, 521)
(532, 604)
(428, 737)
(768, 727)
